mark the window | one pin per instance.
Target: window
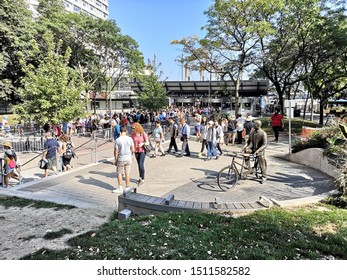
(76, 9)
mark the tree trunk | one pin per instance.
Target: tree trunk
(321, 111)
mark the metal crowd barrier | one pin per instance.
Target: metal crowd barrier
(26, 144)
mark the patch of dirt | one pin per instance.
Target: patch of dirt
(23, 229)
(325, 229)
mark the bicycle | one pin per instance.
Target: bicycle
(228, 176)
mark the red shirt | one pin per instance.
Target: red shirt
(139, 139)
(276, 120)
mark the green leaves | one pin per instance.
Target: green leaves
(153, 96)
(52, 89)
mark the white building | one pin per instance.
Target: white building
(94, 8)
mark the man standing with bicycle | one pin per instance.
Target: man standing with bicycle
(256, 144)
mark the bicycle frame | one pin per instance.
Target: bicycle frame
(241, 173)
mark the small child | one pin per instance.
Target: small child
(10, 165)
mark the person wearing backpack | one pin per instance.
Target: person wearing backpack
(67, 152)
(10, 164)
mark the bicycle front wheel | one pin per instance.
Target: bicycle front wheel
(227, 178)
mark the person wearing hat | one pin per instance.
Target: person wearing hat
(10, 159)
(256, 144)
(248, 127)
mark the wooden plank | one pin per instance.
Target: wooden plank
(174, 203)
(230, 205)
(238, 205)
(181, 203)
(223, 206)
(256, 205)
(152, 199)
(246, 205)
(159, 200)
(197, 205)
(189, 204)
(139, 197)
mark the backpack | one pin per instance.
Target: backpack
(11, 159)
(68, 153)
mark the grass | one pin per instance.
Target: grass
(22, 202)
(296, 125)
(315, 232)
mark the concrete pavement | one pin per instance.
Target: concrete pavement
(90, 185)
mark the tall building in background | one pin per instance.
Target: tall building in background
(94, 8)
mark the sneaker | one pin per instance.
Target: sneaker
(200, 155)
(163, 155)
(217, 157)
(127, 189)
(207, 159)
(4, 186)
(179, 155)
(153, 156)
(263, 180)
(140, 183)
(118, 190)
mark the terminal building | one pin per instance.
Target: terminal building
(217, 94)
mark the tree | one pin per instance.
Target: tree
(281, 53)
(99, 51)
(233, 32)
(52, 90)
(325, 62)
(15, 34)
(152, 96)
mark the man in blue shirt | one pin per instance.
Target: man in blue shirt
(51, 147)
(116, 127)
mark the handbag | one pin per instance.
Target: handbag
(147, 148)
(43, 163)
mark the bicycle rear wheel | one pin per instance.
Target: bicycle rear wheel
(227, 178)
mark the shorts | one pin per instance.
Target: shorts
(197, 128)
(8, 169)
(52, 163)
(123, 165)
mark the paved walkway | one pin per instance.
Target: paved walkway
(90, 185)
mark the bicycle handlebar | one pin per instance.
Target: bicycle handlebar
(234, 154)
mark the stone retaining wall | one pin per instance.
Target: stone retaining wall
(314, 158)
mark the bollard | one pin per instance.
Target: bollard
(216, 203)
(169, 199)
(124, 214)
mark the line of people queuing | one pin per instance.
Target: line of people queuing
(211, 133)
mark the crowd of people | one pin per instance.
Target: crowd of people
(212, 133)
(137, 134)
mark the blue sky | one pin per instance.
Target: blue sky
(155, 23)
